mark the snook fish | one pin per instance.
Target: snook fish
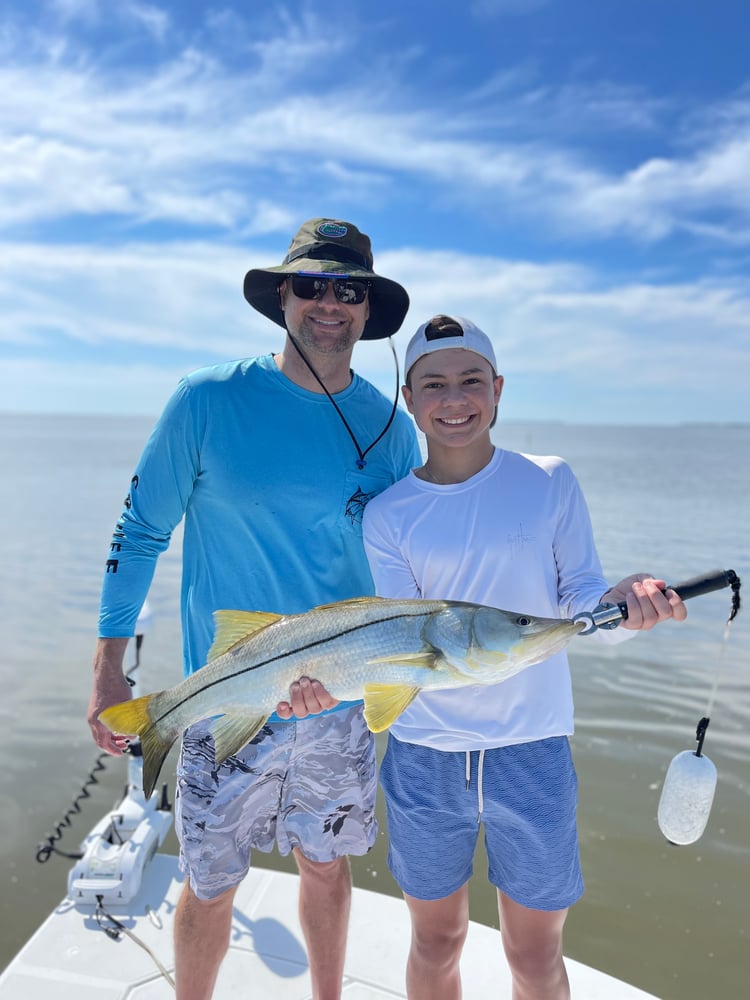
(382, 650)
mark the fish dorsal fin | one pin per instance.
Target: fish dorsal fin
(385, 702)
(353, 601)
(232, 732)
(231, 627)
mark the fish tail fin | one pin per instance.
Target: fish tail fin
(133, 717)
(128, 717)
(155, 750)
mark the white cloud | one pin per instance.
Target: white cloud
(571, 321)
(182, 297)
(306, 43)
(153, 18)
(180, 306)
(142, 145)
(664, 196)
(191, 139)
(76, 10)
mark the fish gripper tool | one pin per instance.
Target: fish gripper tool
(609, 616)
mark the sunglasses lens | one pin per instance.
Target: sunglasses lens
(350, 291)
(306, 287)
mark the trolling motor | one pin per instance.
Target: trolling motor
(120, 846)
(117, 850)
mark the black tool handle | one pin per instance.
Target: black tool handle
(716, 579)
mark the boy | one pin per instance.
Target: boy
(477, 523)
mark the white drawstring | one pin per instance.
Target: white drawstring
(479, 785)
(480, 769)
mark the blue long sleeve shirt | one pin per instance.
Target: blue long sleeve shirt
(265, 475)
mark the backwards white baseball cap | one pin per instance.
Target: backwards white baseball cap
(442, 332)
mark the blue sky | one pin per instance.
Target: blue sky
(574, 175)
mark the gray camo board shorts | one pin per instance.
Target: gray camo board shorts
(309, 783)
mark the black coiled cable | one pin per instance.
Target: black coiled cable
(49, 845)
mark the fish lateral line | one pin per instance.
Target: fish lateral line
(281, 656)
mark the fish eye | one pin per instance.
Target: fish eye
(523, 620)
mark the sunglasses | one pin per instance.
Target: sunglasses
(350, 291)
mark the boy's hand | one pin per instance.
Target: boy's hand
(647, 600)
(306, 697)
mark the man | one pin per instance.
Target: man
(483, 524)
(271, 461)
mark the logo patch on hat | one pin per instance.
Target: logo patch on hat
(332, 229)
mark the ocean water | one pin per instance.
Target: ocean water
(673, 501)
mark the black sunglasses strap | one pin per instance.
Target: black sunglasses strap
(361, 461)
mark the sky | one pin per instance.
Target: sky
(572, 175)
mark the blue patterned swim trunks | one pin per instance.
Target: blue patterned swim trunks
(525, 798)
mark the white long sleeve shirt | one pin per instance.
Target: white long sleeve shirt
(516, 536)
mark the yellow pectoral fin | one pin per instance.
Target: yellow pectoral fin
(231, 627)
(426, 658)
(232, 732)
(385, 702)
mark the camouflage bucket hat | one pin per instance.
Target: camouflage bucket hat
(329, 246)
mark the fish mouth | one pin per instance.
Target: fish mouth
(554, 638)
(567, 629)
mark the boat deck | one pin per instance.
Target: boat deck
(70, 957)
